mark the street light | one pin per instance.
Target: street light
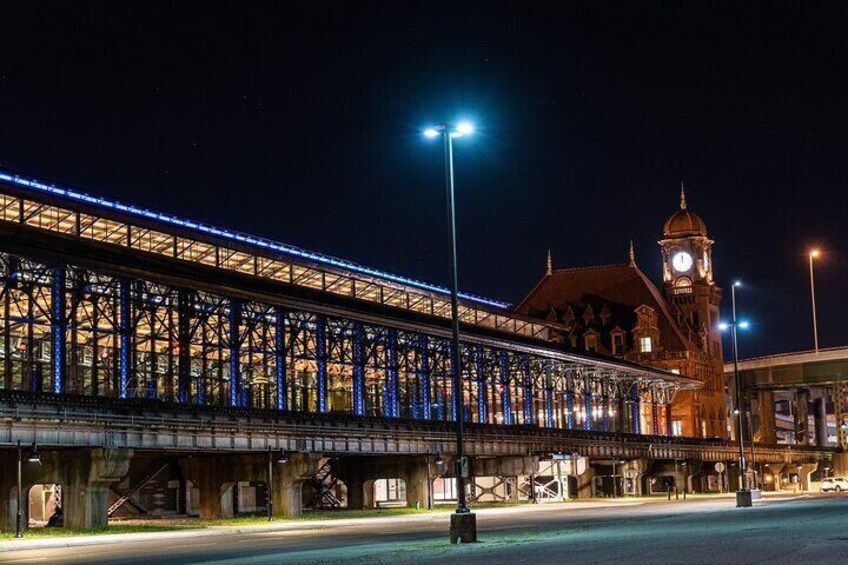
(463, 522)
(814, 254)
(33, 457)
(743, 495)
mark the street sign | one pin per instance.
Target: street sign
(463, 467)
(719, 467)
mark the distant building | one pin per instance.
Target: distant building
(617, 310)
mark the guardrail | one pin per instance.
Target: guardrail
(327, 432)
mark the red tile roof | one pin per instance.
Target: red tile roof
(621, 285)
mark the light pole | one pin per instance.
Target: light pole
(463, 522)
(34, 457)
(814, 255)
(743, 495)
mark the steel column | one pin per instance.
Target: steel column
(636, 409)
(655, 424)
(425, 377)
(456, 385)
(549, 397)
(58, 330)
(235, 353)
(669, 428)
(504, 386)
(280, 357)
(358, 371)
(391, 408)
(529, 416)
(184, 344)
(480, 380)
(125, 331)
(588, 420)
(321, 360)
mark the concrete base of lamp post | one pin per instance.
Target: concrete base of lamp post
(463, 527)
(743, 499)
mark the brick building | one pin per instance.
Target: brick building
(618, 310)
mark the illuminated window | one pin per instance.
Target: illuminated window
(645, 344)
(591, 343)
(676, 428)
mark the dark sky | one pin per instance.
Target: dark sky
(301, 121)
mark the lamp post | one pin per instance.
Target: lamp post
(463, 522)
(814, 255)
(34, 457)
(743, 495)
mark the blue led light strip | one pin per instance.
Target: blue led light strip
(254, 241)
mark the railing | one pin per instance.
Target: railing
(110, 414)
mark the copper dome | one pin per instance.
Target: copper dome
(684, 223)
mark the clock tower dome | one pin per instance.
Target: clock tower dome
(688, 274)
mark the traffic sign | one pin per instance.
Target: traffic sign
(719, 467)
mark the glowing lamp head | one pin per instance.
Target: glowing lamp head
(723, 326)
(815, 253)
(737, 283)
(431, 133)
(744, 324)
(464, 128)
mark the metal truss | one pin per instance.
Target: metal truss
(75, 331)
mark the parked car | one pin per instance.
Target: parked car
(834, 484)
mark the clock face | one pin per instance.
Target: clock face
(681, 262)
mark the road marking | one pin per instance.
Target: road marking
(27, 559)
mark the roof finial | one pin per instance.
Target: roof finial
(682, 197)
(550, 269)
(632, 254)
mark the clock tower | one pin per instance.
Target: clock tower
(688, 276)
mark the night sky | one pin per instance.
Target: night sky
(302, 122)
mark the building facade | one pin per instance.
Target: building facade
(617, 310)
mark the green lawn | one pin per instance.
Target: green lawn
(167, 525)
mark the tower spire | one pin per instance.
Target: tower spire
(632, 254)
(682, 197)
(550, 268)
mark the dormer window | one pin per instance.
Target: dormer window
(646, 344)
(592, 342)
(617, 343)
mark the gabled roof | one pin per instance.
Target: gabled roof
(620, 284)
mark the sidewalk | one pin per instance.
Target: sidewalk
(314, 525)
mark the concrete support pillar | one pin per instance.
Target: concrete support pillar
(804, 474)
(355, 494)
(766, 431)
(838, 392)
(86, 492)
(840, 464)
(801, 412)
(820, 416)
(633, 472)
(585, 489)
(212, 475)
(417, 491)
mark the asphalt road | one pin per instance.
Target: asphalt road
(806, 530)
